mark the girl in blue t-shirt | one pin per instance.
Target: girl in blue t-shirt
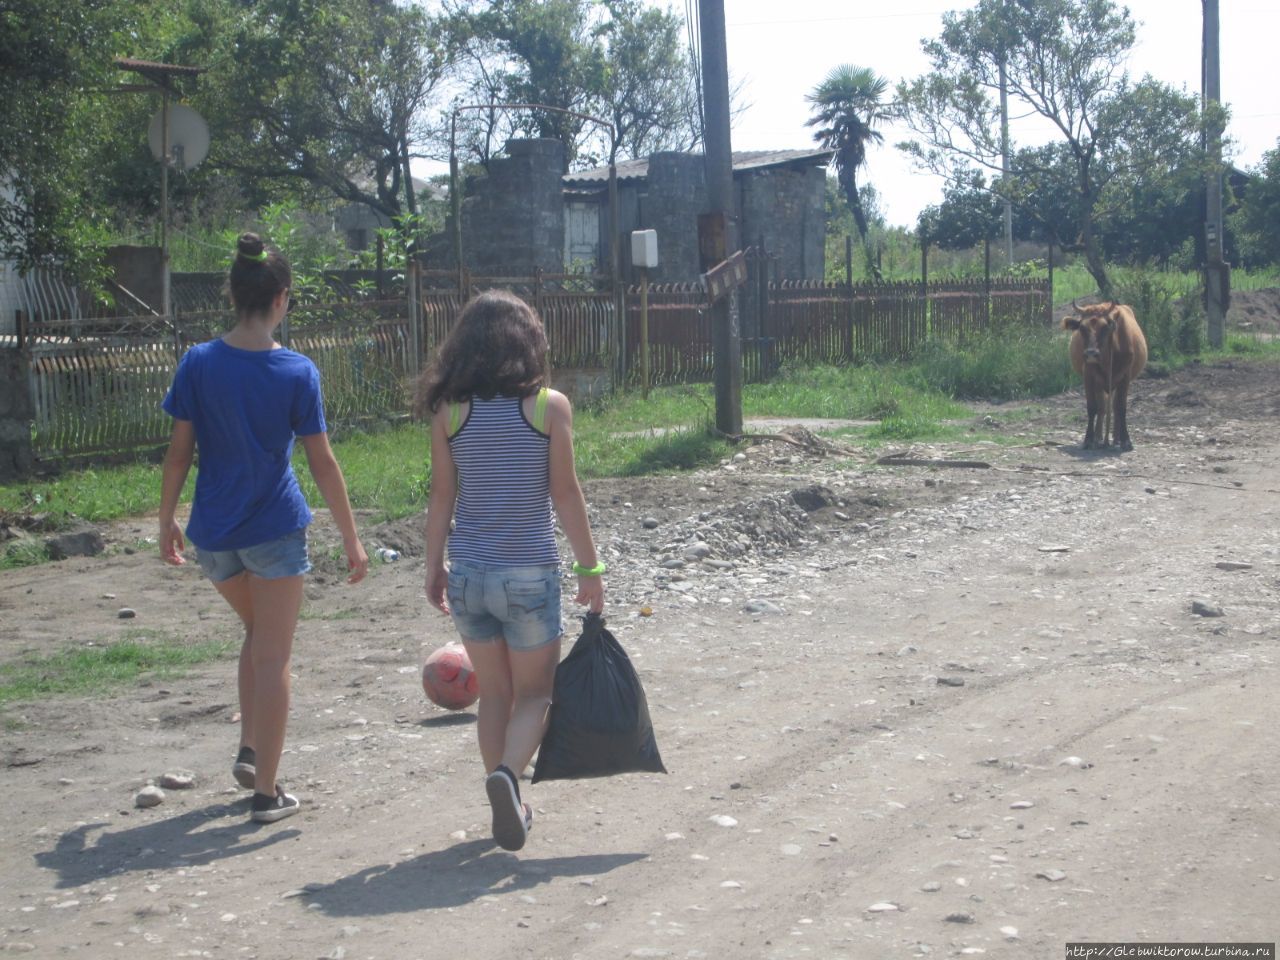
(501, 458)
(241, 400)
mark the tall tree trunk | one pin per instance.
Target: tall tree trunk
(850, 184)
(411, 200)
(1093, 257)
(1089, 239)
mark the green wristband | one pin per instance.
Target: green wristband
(582, 571)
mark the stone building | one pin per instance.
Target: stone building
(527, 213)
(779, 197)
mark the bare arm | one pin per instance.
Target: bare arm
(440, 504)
(177, 464)
(566, 494)
(333, 487)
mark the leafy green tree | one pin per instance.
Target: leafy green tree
(1159, 222)
(847, 109)
(545, 53)
(1064, 64)
(1258, 219)
(56, 62)
(969, 214)
(1043, 194)
(649, 91)
(622, 61)
(333, 93)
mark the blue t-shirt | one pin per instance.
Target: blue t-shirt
(246, 407)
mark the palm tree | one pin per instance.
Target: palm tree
(847, 109)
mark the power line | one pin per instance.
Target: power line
(691, 19)
(866, 16)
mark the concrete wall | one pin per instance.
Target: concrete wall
(582, 384)
(16, 414)
(675, 193)
(513, 218)
(785, 207)
(137, 269)
(12, 298)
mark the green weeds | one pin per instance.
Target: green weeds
(98, 667)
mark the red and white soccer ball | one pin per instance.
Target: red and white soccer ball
(448, 678)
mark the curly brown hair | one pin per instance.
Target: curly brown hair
(497, 347)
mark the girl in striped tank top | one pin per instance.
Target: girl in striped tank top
(501, 460)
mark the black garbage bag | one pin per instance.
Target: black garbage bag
(599, 722)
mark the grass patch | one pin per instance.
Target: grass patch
(348, 614)
(95, 669)
(1014, 365)
(868, 392)
(23, 553)
(1075, 281)
(94, 494)
(387, 471)
(1246, 345)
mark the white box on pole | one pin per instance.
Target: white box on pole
(644, 248)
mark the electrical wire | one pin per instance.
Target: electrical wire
(692, 18)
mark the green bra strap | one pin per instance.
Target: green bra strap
(455, 417)
(540, 411)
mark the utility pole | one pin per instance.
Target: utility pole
(720, 240)
(1004, 163)
(1216, 270)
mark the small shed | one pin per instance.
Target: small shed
(779, 195)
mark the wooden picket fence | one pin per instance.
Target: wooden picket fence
(96, 385)
(809, 322)
(97, 390)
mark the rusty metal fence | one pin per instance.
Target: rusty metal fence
(96, 384)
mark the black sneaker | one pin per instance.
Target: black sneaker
(268, 809)
(243, 769)
(510, 826)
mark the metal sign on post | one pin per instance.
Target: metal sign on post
(725, 277)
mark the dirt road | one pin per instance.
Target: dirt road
(907, 711)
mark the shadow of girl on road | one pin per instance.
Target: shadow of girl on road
(194, 838)
(450, 878)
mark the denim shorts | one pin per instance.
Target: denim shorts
(518, 604)
(283, 557)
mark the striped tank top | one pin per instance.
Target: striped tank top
(502, 515)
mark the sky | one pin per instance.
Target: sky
(781, 51)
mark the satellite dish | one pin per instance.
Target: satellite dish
(188, 137)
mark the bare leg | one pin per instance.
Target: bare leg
(236, 592)
(493, 713)
(276, 604)
(532, 679)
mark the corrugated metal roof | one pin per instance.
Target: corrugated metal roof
(742, 160)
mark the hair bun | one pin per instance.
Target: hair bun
(250, 246)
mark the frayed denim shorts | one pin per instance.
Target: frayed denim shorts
(518, 604)
(283, 557)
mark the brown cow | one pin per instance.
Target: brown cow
(1109, 351)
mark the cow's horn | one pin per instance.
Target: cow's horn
(1075, 306)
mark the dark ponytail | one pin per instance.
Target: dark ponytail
(257, 275)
